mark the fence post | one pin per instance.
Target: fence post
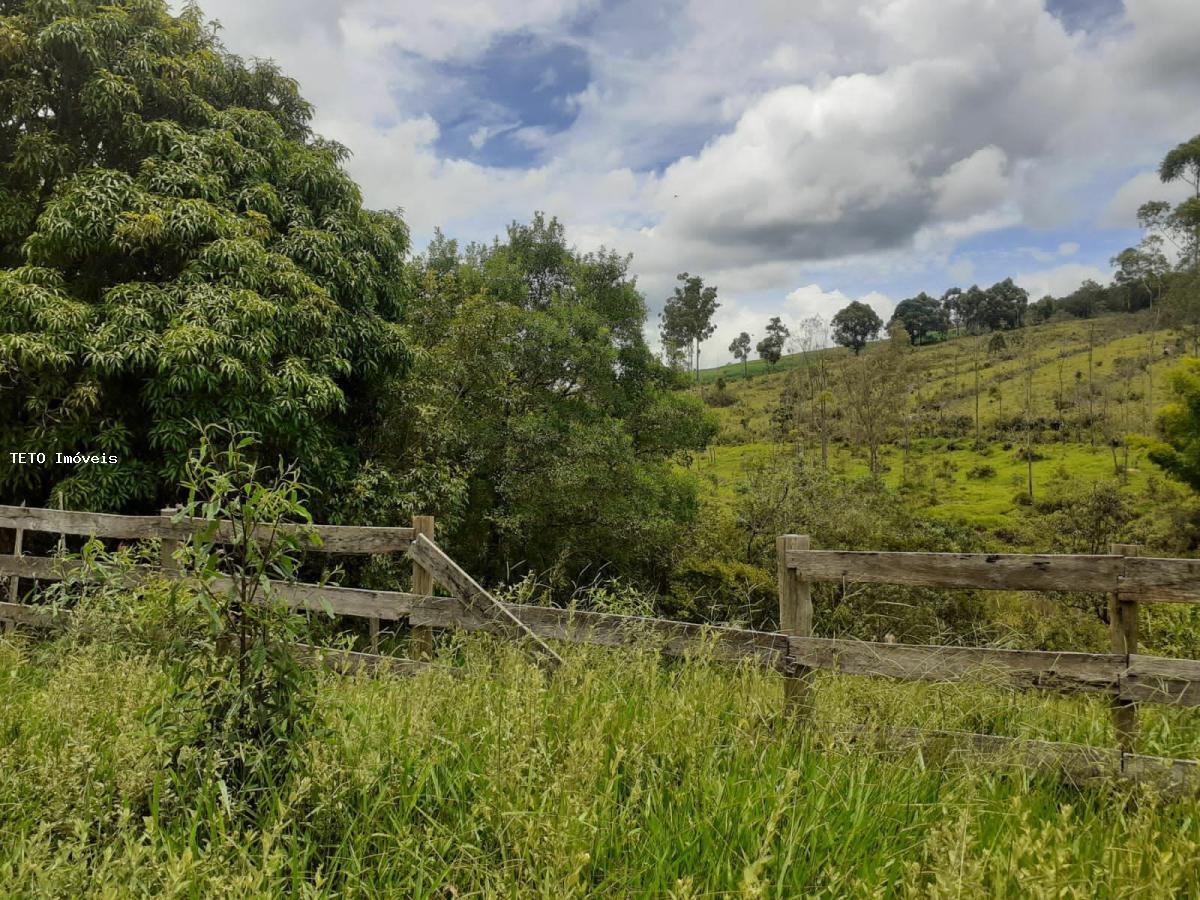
(166, 557)
(795, 620)
(421, 639)
(14, 583)
(1123, 630)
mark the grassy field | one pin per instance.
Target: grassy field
(624, 775)
(951, 478)
(952, 488)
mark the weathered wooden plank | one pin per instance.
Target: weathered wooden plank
(344, 601)
(795, 620)
(333, 538)
(32, 616)
(43, 568)
(14, 581)
(1024, 669)
(1153, 580)
(452, 577)
(605, 629)
(986, 571)
(73, 522)
(1157, 679)
(1078, 763)
(1123, 638)
(390, 605)
(344, 539)
(421, 638)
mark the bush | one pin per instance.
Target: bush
(716, 591)
(981, 471)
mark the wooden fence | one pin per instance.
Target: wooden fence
(1125, 676)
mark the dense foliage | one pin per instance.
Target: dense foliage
(176, 247)
(855, 324)
(536, 424)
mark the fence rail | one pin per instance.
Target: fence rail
(1147, 580)
(1125, 676)
(346, 539)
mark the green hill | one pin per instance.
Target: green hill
(1088, 417)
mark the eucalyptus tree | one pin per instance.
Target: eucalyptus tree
(177, 247)
(1183, 164)
(686, 319)
(771, 347)
(740, 348)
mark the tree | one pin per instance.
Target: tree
(1043, 310)
(176, 245)
(922, 317)
(951, 303)
(1142, 272)
(770, 347)
(1085, 301)
(970, 306)
(854, 325)
(1003, 306)
(876, 393)
(539, 427)
(740, 348)
(686, 319)
(1179, 422)
(1183, 164)
(814, 336)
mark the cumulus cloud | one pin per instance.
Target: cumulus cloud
(781, 144)
(1060, 280)
(1121, 211)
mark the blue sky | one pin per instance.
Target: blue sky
(797, 154)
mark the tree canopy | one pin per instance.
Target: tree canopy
(740, 348)
(1179, 451)
(855, 324)
(536, 422)
(686, 319)
(770, 347)
(176, 247)
(922, 317)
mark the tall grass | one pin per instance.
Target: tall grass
(623, 774)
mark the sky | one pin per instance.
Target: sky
(795, 153)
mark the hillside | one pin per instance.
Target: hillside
(946, 474)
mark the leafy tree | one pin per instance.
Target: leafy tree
(686, 319)
(1043, 310)
(854, 325)
(1179, 451)
(1085, 301)
(1142, 272)
(740, 348)
(537, 425)
(1003, 307)
(1183, 164)
(922, 317)
(970, 306)
(876, 394)
(951, 302)
(176, 245)
(770, 347)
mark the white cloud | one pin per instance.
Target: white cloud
(814, 143)
(1060, 280)
(1121, 211)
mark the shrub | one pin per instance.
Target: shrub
(981, 471)
(709, 590)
